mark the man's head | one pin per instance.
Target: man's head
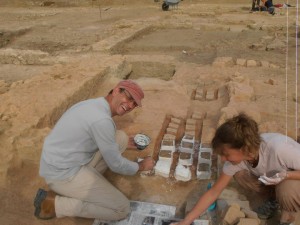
(133, 89)
(125, 96)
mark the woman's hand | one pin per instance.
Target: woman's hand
(276, 179)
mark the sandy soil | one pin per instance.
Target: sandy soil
(250, 58)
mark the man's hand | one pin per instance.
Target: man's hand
(146, 164)
(276, 179)
(131, 144)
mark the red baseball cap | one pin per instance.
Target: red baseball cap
(134, 90)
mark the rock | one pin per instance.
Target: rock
(251, 63)
(273, 66)
(296, 98)
(249, 213)
(223, 61)
(249, 221)
(233, 215)
(241, 62)
(271, 82)
(265, 64)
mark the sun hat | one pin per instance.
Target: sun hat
(134, 90)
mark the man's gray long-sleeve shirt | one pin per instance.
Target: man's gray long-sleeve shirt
(80, 132)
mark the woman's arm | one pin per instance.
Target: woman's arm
(206, 200)
(293, 175)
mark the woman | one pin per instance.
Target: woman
(268, 164)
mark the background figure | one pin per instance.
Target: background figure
(267, 6)
(83, 143)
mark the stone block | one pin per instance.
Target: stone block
(191, 122)
(249, 221)
(190, 127)
(249, 213)
(271, 82)
(233, 215)
(251, 63)
(223, 62)
(241, 62)
(265, 64)
(175, 120)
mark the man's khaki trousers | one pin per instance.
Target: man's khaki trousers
(88, 194)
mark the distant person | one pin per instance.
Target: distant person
(267, 6)
(82, 144)
(267, 163)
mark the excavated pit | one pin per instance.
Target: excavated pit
(200, 45)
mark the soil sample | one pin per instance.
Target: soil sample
(184, 155)
(171, 131)
(168, 142)
(205, 145)
(203, 167)
(187, 145)
(205, 155)
(165, 154)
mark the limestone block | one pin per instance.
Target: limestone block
(173, 125)
(171, 131)
(200, 94)
(265, 64)
(249, 213)
(274, 66)
(252, 26)
(175, 120)
(190, 127)
(223, 62)
(233, 215)
(190, 132)
(169, 137)
(249, 221)
(251, 63)
(211, 95)
(191, 121)
(241, 62)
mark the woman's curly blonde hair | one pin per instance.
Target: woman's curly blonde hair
(239, 132)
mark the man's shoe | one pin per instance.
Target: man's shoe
(44, 204)
(267, 210)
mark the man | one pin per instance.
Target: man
(83, 143)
